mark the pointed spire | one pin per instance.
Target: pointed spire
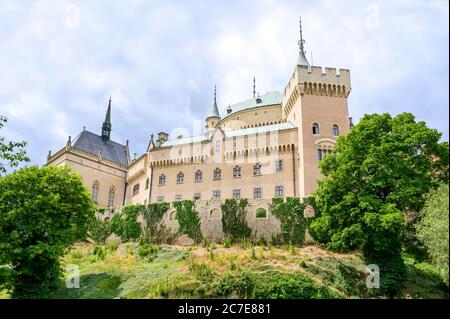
(106, 128)
(254, 87)
(301, 50)
(214, 110)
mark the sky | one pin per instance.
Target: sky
(60, 61)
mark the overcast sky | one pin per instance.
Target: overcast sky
(61, 60)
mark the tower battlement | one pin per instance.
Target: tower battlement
(315, 80)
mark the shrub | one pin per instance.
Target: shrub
(291, 216)
(276, 285)
(261, 213)
(433, 229)
(113, 245)
(99, 230)
(148, 251)
(224, 286)
(226, 242)
(188, 219)
(43, 212)
(99, 252)
(233, 219)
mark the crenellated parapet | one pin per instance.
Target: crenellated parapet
(307, 80)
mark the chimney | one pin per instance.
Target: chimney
(162, 137)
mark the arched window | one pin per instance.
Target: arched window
(198, 176)
(315, 129)
(180, 178)
(111, 195)
(335, 130)
(95, 187)
(217, 174)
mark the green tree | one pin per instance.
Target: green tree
(433, 229)
(10, 152)
(43, 211)
(381, 169)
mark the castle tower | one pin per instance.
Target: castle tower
(315, 100)
(106, 127)
(213, 118)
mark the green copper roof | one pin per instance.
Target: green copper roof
(271, 98)
(232, 133)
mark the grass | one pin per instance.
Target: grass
(226, 271)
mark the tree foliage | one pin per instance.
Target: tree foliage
(382, 168)
(43, 211)
(11, 152)
(154, 231)
(290, 213)
(433, 229)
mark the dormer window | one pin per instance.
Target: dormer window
(258, 100)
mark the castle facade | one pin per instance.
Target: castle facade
(266, 146)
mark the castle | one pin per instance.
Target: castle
(260, 148)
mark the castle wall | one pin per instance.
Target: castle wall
(252, 117)
(95, 171)
(244, 152)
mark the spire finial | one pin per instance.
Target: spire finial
(214, 110)
(254, 87)
(301, 42)
(106, 128)
(301, 48)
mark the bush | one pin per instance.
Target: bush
(432, 230)
(290, 213)
(99, 230)
(276, 285)
(233, 219)
(43, 212)
(148, 251)
(99, 252)
(226, 242)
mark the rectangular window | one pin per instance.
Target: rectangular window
(162, 179)
(135, 189)
(237, 171)
(257, 169)
(279, 165)
(279, 191)
(236, 193)
(160, 198)
(178, 197)
(217, 174)
(319, 154)
(197, 195)
(216, 194)
(257, 192)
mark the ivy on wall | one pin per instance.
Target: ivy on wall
(125, 224)
(188, 220)
(154, 231)
(289, 212)
(233, 219)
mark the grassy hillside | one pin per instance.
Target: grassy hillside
(127, 271)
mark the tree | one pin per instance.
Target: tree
(11, 152)
(433, 229)
(379, 170)
(43, 211)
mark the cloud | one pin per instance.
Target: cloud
(60, 61)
